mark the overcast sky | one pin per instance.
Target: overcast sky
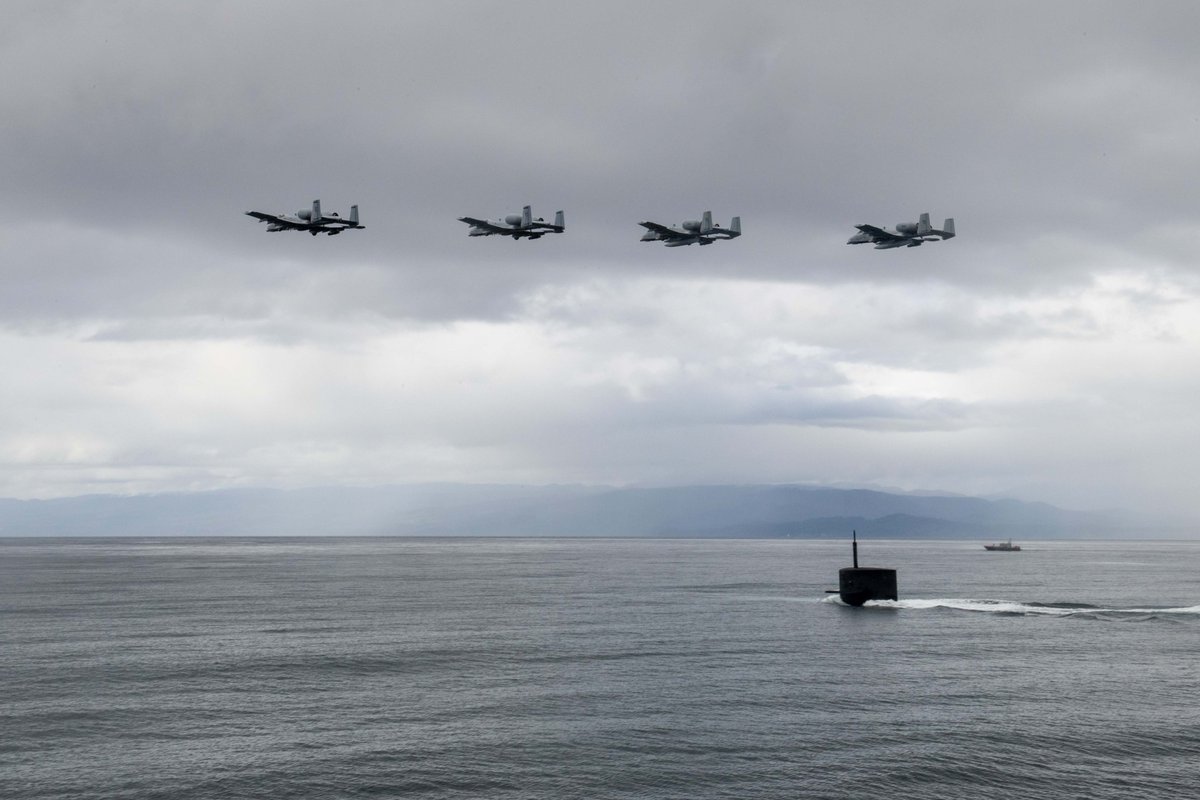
(156, 339)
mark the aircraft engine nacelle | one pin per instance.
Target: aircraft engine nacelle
(304, 214)
(691, 225)
(513, 219)
(906, 228)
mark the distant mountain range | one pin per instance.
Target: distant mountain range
(754, 511)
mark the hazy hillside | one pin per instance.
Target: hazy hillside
(498, 510)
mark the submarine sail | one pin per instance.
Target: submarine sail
(857, 585)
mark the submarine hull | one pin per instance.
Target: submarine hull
(857, 585)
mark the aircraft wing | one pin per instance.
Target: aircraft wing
(484, 225)
(274, 219)
(663, 229)
(878, 233)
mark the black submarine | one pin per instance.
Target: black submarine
(857, 585)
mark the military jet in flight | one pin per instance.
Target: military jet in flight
(312, 221)
(517, 226)
(906, 234)
(691, 231)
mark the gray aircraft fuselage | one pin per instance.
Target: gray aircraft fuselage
(310, 220)
(692, 231)
(905, 234)
(518, 226)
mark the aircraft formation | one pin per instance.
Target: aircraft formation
(524, 226)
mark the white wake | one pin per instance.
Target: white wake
(1015, 607)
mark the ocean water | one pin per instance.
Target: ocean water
(615, 668)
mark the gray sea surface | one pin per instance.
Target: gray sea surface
(595, 668)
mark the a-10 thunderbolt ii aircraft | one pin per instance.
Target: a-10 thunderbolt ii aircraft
(312, 221)
(517, 226)
(906, 234)
(691, 231)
